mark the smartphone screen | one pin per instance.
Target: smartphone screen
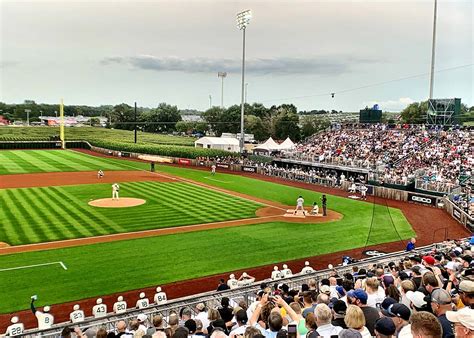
(292, 331)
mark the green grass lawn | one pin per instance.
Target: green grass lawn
(90, 133)
(33, 161)
(106, 268)
(32, 215)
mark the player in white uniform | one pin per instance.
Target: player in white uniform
(363, 192)
(299, 203)
(315, 210)
(246, 279)
(77, 315)
(99, 310)
(100, 174)
(306, 269)
(160, 297)
(353, 188)
(120, 306)
(286, 272)
(15, 329)
(276, 274)
(45, 319)
(213, 169)
(232, 282)
(143, 302)
(115, 191)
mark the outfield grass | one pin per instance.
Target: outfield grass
(106, 268)
(90, 133)
(32, 215)
(33, 161)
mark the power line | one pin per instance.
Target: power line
(333, 93)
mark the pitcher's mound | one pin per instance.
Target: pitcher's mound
(123, 202)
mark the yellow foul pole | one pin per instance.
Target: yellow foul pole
(61, 124)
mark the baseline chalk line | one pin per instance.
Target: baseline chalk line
(34, 266)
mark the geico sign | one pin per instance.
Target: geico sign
(421, 199)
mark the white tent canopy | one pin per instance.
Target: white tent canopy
(269, 145)
(222, 143)
(287, 144)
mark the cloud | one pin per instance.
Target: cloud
(283, 65)
(391, 105)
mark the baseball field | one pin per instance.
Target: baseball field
(192, 225)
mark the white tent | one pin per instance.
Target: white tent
(267, 147)
(221, 143)
(287, 144)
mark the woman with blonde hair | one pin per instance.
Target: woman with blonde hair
(301, 321)
(355, 319)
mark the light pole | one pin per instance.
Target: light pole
(243, 19)
(27, 111)
(246, 86)
(222, 75)
(433, 48)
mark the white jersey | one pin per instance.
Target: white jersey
(246, 281)
(15, 329)
(276, 275)
(120, 307)
(99, 310)
(45, 320)
(143, 303)
(232, 283)
(160, 298)
(363, 190)
(299, 202)
(307, 269)
(77, 316)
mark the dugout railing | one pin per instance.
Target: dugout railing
(212, 298)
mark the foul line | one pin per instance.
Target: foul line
(34, 266)
(213, 179)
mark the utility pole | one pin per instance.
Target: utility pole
(433, 49)
(222, 75)
(135, 122)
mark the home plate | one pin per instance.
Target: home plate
(123, 202)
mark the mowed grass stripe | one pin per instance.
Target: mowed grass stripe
(11, 163)
(58, 207)
(19, 214)
(83, 219)
(94, 162)
(13, 229)
(37, 162)
(94, 215)
(59, 162)
(67, 229)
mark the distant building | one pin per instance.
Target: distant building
(220, 143)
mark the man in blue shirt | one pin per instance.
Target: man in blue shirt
(411, 245)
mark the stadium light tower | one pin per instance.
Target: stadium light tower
(243, 19)
(433, 49)
(222, 75)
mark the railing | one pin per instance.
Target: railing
(212, 299)
(438, 187)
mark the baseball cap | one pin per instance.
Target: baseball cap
(467, 286)
(325, 289)
(400, 310)
(465, 316)
(46, 308)
(358, 294)
(440, 296)
(385, 306)
(417, 298)
(350, 333)
(141, 317)
(241, 316)
(385, 326)
(429, 260)
(339, 307)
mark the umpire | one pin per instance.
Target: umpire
(323, 203)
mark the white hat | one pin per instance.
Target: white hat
(417, 298)
(46, 308)
(158, 289)
(98, 301)
(142, 317)
(451, 266)
(244, 274)
(325, 289)
(76, 307)
(330, 266)
(275, 268)
(306, 263)
(142, 294)
(14, 320)
(232, 276)
(119, 298)
(465, 316)
(285, 266)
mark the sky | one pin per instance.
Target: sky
(109, 52)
